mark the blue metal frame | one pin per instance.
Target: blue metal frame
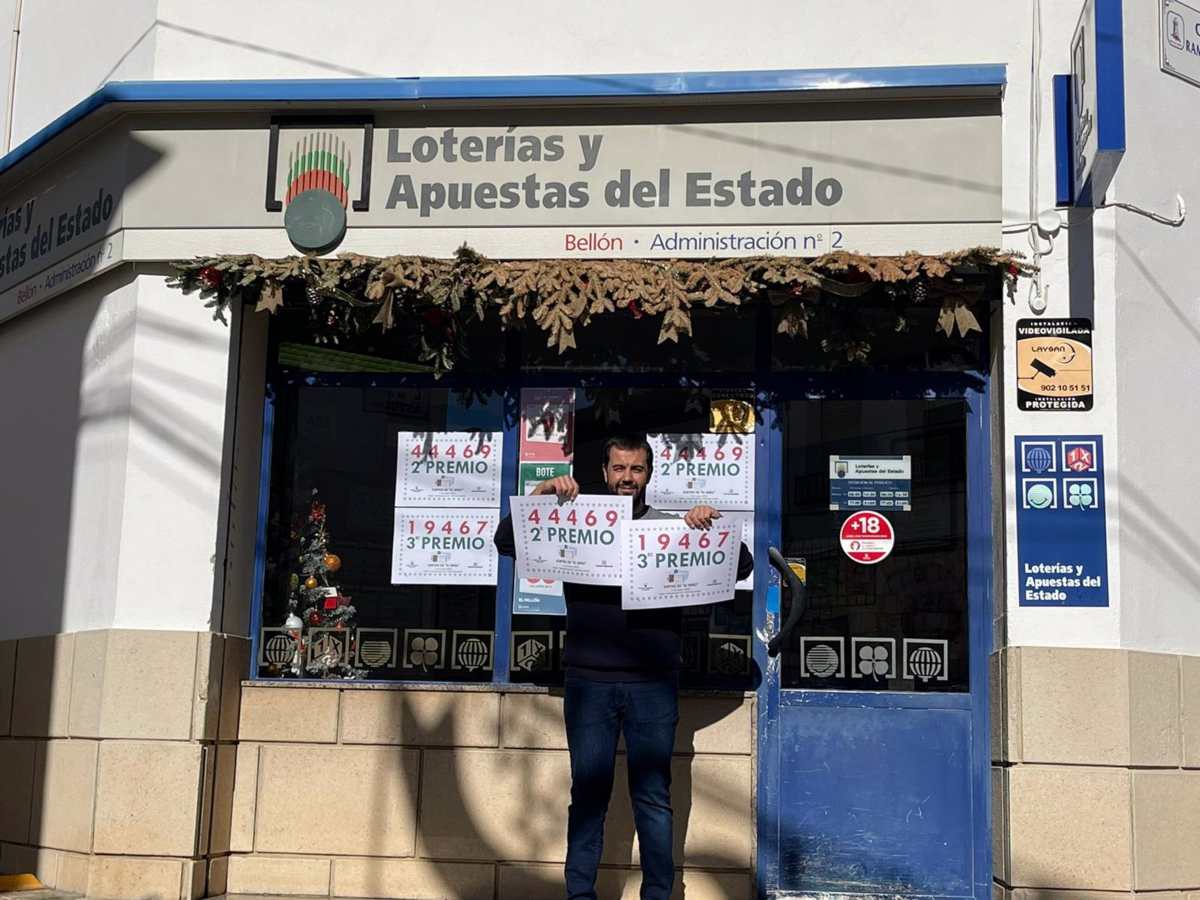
(506, 573)
(979, 604)
(767, 613)
(508, 87)
(260, 528)
(1064, 155)
(975, 391)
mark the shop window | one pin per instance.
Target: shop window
(303, 346)
(880, 332)
(343, 442)
(896, 624)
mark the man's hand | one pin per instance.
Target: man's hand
(701, 516)
(565, 486)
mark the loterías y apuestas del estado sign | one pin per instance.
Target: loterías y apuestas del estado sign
(519, 183)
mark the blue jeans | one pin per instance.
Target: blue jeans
(597, 713)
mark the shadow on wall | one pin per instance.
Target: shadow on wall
(87, 417)
(509, 805)
(212, 38)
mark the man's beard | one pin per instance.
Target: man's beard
(639, 498)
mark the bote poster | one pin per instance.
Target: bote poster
(546, 451)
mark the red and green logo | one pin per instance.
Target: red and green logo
(313, 160)
(319, 162)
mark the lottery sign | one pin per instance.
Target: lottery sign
(717, 469)
(444, 546)
(577, 541)
(666, 563)
(867, 538)
(449, 468)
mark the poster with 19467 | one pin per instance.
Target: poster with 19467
(444, 546)
(664, 562)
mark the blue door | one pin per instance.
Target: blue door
(873, 731)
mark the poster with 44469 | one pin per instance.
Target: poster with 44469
(717, 469)
(577, 541)
(449, 468)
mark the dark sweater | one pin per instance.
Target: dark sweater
(607, 643)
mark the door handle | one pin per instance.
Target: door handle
(796, 589)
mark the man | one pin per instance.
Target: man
(622, 677)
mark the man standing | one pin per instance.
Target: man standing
(622, 677)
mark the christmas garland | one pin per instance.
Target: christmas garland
(351, 293)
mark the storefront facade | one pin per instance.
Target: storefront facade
(771, 272)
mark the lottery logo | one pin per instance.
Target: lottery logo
(531, 651)
(874, 658)
(926, 660)
(822, 657)
(1038, 457)
(1079, 456)
(376, 647)
(472, 650)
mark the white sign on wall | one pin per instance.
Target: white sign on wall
(1180, 40)
(577, 541)
(444, 546)
(449, 468)
(715, 469)
(665, 562)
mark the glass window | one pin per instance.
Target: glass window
(341, 443)
(902, 336)
(899, 623)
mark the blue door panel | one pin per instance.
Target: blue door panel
(876, 800)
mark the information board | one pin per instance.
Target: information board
(870, 482)
(1062, 547)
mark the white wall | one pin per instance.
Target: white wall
(310, 38)
(67, 369)
(114, 414)
(176, 419)
(8, 42)
(1158, 349)
(69, 48)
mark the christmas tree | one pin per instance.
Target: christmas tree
(318, 615)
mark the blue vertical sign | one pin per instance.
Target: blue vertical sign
(1097, 100)
(1062, 549)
